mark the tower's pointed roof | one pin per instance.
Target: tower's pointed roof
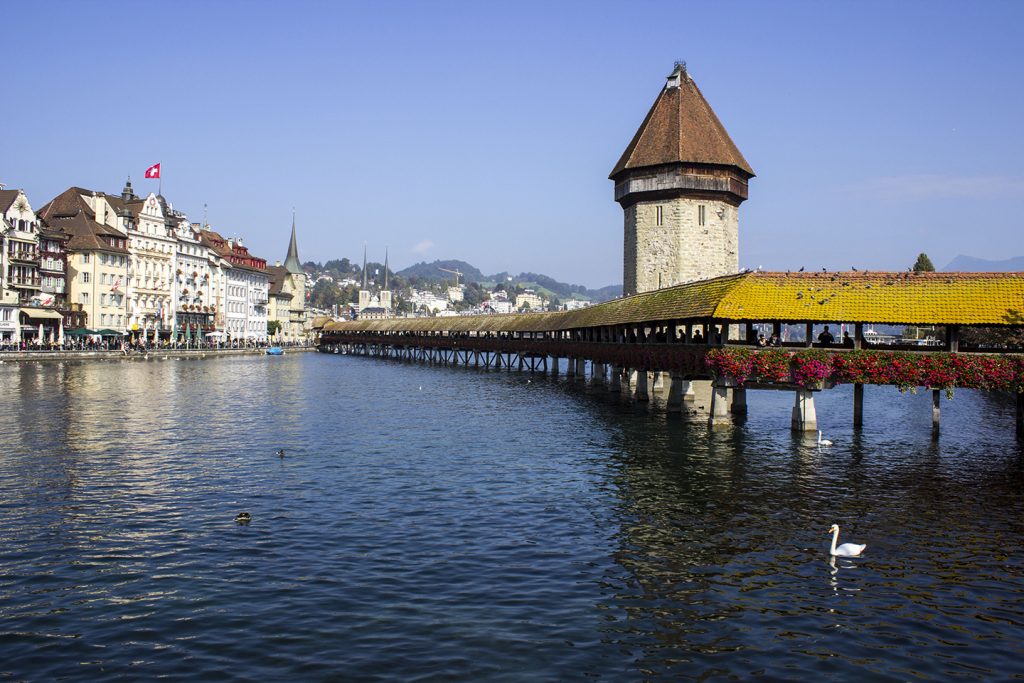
(681, 128)
(291, 262)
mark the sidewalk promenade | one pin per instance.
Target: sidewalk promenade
(150, 354)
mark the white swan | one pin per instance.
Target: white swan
(846, 549)
(823, 442)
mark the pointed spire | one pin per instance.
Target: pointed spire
(681, 127)
(291, 262)
(385, 268)
(364, 265)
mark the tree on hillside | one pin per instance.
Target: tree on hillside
(923, 264)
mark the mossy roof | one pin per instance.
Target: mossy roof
(978, 299)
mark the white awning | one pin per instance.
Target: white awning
(41, 313)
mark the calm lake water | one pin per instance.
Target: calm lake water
(448, 524)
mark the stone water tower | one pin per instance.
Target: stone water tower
(680, 183)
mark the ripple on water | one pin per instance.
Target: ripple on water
(486, 528)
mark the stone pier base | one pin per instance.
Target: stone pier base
(675, 393)
(615, 386)
(719, 414)
(642, 393)
(804, 417)
(739, 401)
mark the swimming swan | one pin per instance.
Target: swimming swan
(846, 549)
(823, 442)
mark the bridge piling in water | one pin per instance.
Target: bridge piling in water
(805, 419)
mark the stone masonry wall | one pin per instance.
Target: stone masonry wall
(680, 250)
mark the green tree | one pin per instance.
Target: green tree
(273, 327)
(923, 264)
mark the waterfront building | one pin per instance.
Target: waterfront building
(680, 183)
(20, 246)
(246, 287)
(152, 243)
(288, 293)
(280, 304)
(53, 266)
(196, 286)
(98, 260)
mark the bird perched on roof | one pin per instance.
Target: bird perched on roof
(853, 269)
(801, 269)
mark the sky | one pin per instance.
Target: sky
(485, 131)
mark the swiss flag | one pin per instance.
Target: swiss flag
(153, 171)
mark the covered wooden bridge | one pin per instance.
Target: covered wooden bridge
(709, 331)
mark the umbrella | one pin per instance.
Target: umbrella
(40, 337)
(60, 332)
(188, 334)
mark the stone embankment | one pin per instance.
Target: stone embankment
(153, 354)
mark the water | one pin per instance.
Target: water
(450, 524)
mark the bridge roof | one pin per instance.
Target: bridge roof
(978, 299)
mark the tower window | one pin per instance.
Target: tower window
(659, 215)
(700, 214)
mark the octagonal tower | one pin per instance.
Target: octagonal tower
(680, 182)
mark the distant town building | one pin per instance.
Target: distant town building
(529, 300)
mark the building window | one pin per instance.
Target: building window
(85, 258)
(85, 278)
(84, 298)
(700, 215)
(659, 215)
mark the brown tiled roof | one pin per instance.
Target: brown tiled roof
(67, 203)
(86, 234)
(277, 277)
(681, 127)
(7, 198)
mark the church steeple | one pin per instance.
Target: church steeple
(364, 265)
(291, 262)
(385, 268)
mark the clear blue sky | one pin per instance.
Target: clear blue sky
(485, 131)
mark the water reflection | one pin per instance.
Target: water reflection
(488, 525)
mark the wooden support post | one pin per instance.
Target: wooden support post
(936, 410)
(858, 336)
(810, 335)
(858, 405)
(953, 338)
(554, 366)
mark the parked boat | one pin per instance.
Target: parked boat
(275, 351)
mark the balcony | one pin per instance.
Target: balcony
(24, 282)
(23, 255)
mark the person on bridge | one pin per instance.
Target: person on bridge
(826, 338)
